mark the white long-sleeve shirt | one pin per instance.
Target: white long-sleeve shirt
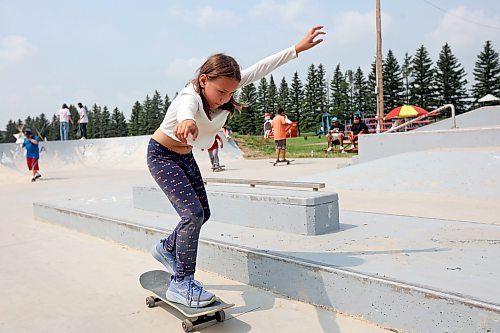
(188, 103)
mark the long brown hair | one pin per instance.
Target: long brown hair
(216, 66)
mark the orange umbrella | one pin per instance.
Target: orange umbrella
(405, 111)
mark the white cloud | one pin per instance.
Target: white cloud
(465, 38)
(183, 70)
(288, 11)
(14, 49)
(463, 28)
(205, 16)
(355, 27)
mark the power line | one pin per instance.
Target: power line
(447, 12)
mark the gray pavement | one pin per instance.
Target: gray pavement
(58, 280)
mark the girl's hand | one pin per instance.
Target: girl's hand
(184, 129)
(309, 42)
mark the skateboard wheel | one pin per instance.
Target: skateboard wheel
(220, 316)
(187, 325)
(150, 301)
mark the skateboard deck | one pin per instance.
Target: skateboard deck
(219, 168)
(158, 281)
(279, 162)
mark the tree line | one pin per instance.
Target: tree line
(417, 80)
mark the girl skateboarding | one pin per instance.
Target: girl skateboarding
(192, 120)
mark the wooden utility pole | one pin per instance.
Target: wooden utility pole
(380, 88)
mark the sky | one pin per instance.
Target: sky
(114, 53)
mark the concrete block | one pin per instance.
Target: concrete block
(294, 211)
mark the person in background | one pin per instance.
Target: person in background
(213, 152)
(358, 127)
(64, 120)
(32, 153)
(83, 120)
(280, 129)
(335, 135)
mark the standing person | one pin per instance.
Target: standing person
(64, 120)
(268, 128)
(335, 135)
(213, 152)
(32, 153)
(83, 120)
(193, 119)
(280, 129)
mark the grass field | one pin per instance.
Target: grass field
(256, 147)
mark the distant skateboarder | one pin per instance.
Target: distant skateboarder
(32, 153)
(279, 124)
(213, 153)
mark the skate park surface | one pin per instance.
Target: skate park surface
(423, 221)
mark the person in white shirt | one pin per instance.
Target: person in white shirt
(64, 120)
(83, 120)
(192, 120)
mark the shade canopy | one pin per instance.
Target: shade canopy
(405, 111)
(488, 98)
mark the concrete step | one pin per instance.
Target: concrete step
(235, 252)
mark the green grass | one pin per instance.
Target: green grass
(308, 145)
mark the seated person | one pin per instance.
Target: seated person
(358, 127)
(335, 135)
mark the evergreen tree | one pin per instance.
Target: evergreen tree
(40, 126)
(284, 95)
(262, 103)
(360, 91)
(95, 122)
(321, 91)
(249, 120)
(10, 130)
(105, 128)
(486, 73)
(393, 82)
(273, 95)
(118, 124)
(134, 125)
(157, 107)
(371, 91)
(422, 87)
(406, 71)
(148, 117)
(350, 108)
(53, 131)
(338, 94)
(296, 101)
(73, 125)
(311, 107)
(166, 105)
(450, 80)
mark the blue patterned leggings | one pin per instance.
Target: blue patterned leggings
(180, 179)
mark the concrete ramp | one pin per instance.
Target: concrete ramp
(465, 172)
(483, 117)
(117, 153)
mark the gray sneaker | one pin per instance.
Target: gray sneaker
(166, 258)
(189, 292)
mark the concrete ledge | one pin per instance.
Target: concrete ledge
(301, 212)
(386, 302)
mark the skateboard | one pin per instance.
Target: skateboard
(158, 281)
(285, 161)
(219, 168)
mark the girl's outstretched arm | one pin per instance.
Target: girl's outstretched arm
(269, 64)
(308, 41)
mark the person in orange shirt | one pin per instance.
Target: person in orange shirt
(280, 128)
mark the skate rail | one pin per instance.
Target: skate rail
(255, 182)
